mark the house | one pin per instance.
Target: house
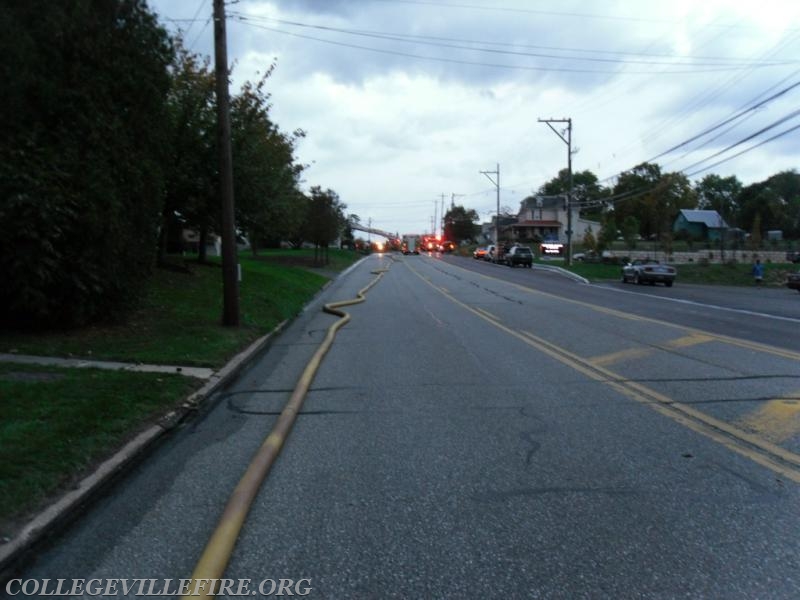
(488, 229)
(545, 218)
(706, 225)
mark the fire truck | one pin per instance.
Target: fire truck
(430, 243)
(410, 244)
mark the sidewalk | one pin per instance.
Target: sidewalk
(197, 372)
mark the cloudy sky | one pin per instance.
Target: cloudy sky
(404, 100)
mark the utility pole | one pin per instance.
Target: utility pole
(497, 214)
(568, 141)
(230, 280)
(441, 218)
(453, 199)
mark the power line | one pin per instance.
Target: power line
(248, 21)
(441, 42)
(495, 8)
(200, 33)
(774, 137)
(711, 93)
(780, 121)
(756, 106)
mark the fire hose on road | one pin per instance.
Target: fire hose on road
(217, 552)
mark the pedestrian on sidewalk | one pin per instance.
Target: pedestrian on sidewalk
(758, 272)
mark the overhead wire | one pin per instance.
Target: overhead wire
(402, 38)
(623, 86)
(728, 120)
(495, 8)
(737, 124)
(726, 65)
(728, 62)
(409, 36)
(772, 125)
(706, 97)
(194, 19)
(710, 90)
(774, 137)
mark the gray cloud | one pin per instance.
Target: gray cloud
(390, 131)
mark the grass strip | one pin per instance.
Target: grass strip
(710, 274)
(179, 319)
(56, 424)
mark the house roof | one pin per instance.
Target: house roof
(710, 218)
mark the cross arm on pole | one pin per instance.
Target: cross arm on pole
(549, 123)
(488, 175)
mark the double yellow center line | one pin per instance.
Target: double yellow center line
(778, 459)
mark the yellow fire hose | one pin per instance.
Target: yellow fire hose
(211, 566)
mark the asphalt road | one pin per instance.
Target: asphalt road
(483, 432)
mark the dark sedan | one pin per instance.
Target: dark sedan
(793, 281)
(648, 271)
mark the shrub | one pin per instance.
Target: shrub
(80, 154)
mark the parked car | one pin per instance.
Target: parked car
(793, 256)
(592, 256)
(479, 252)
(793, 281)
(648, 271)
(519, 255)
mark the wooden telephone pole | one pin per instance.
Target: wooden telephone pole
(230, 275)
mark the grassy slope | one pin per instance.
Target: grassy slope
(56, 423)
(179, 319)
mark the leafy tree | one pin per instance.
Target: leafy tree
(460, 224)
(633, 196)
(787, 185)
(348, 239)
(630, 231)
(608, 232)
(755, 234)
(720, 194)
(82, 123)
(673, 193)
(325, 219)
(589, 241)
(762, 207)
(653, 198)
(776, 200)
(191, 198)
(586, 191)
(269, 204)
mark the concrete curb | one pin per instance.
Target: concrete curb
(564, 272)
(60, 511)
